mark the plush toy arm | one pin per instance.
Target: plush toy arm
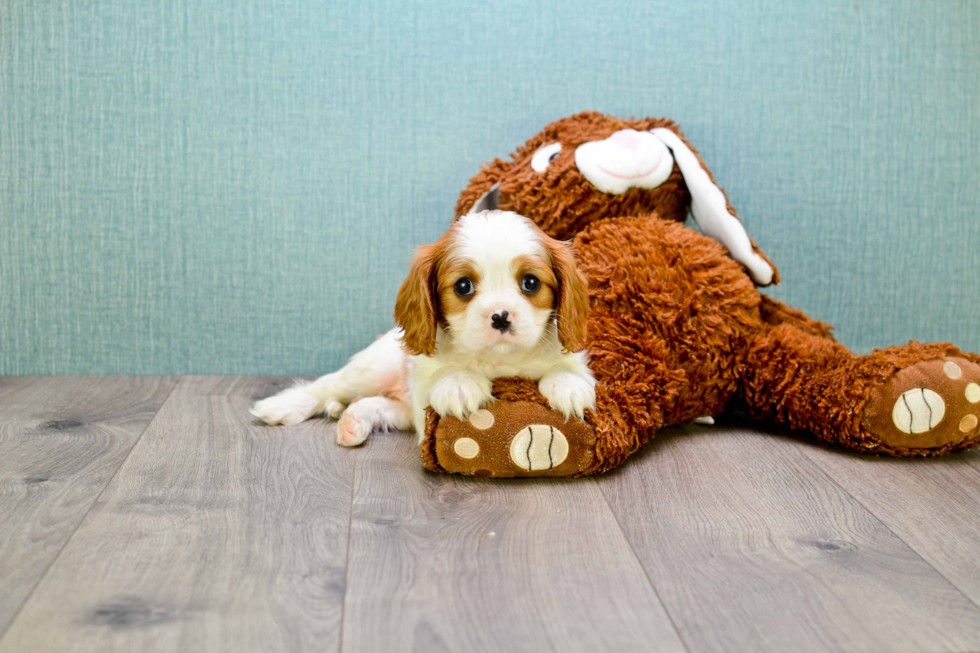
(517, 435)
(710, 210)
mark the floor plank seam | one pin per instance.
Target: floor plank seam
(350, 527)
(888, 528)
(81, 521)
(639, 562)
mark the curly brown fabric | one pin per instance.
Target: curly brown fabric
(677, 329)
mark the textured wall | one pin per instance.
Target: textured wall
(227, 187)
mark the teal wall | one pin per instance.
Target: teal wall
(195, 186)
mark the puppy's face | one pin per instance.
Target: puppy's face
(495, 286)
(494, 281)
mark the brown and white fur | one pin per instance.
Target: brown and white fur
(450, 345)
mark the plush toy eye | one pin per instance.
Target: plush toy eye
(464, 287)
(544, 156)
(530, 283)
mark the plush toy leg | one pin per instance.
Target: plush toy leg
(518, 435)
(774, 313)
(903, 401)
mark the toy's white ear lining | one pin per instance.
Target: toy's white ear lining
(489, 201)
(710, 210)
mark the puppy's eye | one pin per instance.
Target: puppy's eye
(530, 283)
(544, 156)
(464, 287)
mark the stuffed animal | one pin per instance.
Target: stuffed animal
(677, 330)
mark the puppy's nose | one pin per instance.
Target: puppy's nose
(500, 320)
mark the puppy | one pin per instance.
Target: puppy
(493, 297)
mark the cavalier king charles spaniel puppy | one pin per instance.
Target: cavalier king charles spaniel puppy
(493, 297)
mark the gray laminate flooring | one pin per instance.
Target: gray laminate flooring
(153, 513)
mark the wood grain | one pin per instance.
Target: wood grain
(448, 563)
(933, 504)
(61, 440)
(216, 534)
(752, 547)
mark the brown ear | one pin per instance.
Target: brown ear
(415, 308)
(572, 302)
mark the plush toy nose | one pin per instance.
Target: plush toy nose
(626, 159)
(628, 138)
(500, 320)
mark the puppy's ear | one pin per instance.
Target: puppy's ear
(415, 308)
(572, 302)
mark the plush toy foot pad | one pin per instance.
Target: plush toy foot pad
(514, 438)
(932, 405)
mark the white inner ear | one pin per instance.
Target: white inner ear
(710, 210)
(488, 201)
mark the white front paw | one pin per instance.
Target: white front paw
(569, 394)
(290, 406)
(459, 394)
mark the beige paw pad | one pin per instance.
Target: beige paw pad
(968, 423)
(481, 419)
(539, 446)
(466, 448)
(952, 370)
(918, 410)
(972, 393)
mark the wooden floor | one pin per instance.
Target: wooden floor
(152, 513)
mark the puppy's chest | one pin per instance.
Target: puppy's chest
(530, 369)
(491, 367)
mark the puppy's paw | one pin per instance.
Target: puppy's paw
(290, 406)
(352, 430)
(333, 409)
(569, 394)
(459, 394)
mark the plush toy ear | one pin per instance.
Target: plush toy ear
(572, 301)
(710, 209)
(489, 201)
(415, 307)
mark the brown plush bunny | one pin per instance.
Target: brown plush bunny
(677, 330)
